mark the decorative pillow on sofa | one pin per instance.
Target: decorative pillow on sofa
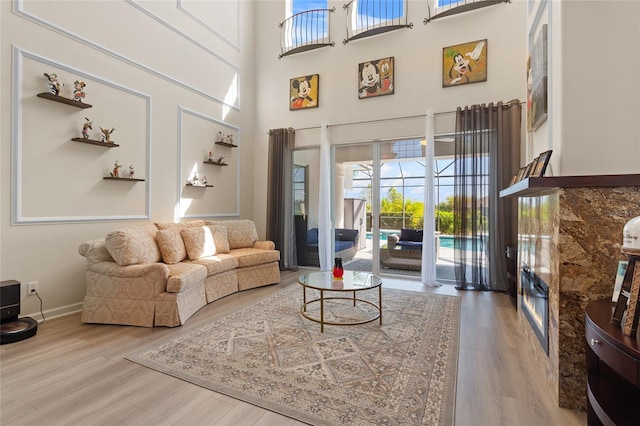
(241, 233)
(220, 238)
(198, 242)
(171, 245)
(411, 235)
(181, 225)
(135, 245)
(312, 236)
(346, 234)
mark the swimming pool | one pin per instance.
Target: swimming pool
(446, 241)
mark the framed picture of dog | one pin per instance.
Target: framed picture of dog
(464, 63)
(376, 78)
(304, 92)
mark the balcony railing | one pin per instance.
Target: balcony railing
(305, 31)
(367, 18)
(457, 6)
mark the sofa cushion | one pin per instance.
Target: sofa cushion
(135, 245)
(346, 234)
(171, 245)
(181, 225)
(312, 236)
(411, 235)
(95, 251)
(241, 233)
(184, 276)
(218, 263)
(343, 245)
(252, 256)
(220, 238)
(198, 242)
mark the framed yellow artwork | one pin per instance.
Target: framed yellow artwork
(303, 92)
(464, 63)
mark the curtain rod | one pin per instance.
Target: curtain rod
(380, 120)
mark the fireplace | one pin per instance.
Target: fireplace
(534, 301)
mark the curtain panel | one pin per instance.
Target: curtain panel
(280, 220)
(487, 155)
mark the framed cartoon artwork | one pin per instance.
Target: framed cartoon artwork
(541, 165)
(532, 169)
(376, 78)
(304, 92)
(537, 82)
(464, 63)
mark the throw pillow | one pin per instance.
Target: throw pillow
(132, 246)
(171, 246)
(346, 234)
(198, 242)
(179, 226)
(312, 236)
(411, 235)
(220, 238)
(241, 233)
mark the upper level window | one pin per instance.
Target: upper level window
(297, 6)
(369, 13)
(444, 8)
(372, 17)
(307, 23)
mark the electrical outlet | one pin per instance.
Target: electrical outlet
(32, 288)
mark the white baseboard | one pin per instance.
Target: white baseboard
(56, 312)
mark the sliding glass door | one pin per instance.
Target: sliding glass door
(378, 207)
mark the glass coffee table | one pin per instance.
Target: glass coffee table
(351, 283)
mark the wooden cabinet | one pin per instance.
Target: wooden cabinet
(613, 369)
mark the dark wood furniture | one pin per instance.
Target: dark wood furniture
(63, 100)
(613, 369)
(539, 185)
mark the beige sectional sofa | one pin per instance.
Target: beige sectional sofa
(161, 274)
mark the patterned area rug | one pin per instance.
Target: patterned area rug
(400, 373)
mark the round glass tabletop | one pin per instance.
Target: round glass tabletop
(351, 281)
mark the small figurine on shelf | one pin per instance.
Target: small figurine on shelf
(86, 127)
(220, 137)
(221, 159)
(210, 157)
(131, 171)
(116, 167)
(229, 139)
(203, 180)
(78, 90)
(54, 84)
(106, 135)
(195, 180)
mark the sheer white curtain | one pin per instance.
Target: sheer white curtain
(325, 230)
(429, 227)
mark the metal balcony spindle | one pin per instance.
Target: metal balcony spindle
(305, 31)
(457, 7)
(374, 17)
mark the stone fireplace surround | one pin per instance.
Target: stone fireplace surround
(570, 235)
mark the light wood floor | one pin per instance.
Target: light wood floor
(75, 374)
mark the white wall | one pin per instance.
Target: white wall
(178, 61)
(599, 101)
(168, 76)
(417, 54)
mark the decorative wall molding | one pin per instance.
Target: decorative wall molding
(180, 183)
(16, 143)
(184, 35)
(214, 32)
(18, 9)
